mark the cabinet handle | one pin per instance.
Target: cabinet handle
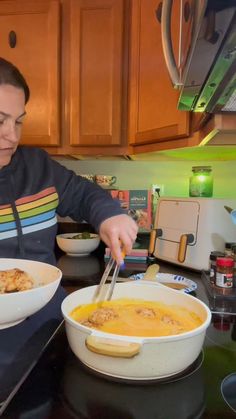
(167, 44)
(178, 75)
(12, 39)
(187, 11)
(158, 12)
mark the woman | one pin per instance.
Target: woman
(34, 188)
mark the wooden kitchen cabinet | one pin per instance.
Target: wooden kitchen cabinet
(96, 65)
(36, 26)
(153, 116)
(115, 73)
(99, 83)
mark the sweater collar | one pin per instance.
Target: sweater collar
(12, 165)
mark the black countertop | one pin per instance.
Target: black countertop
(87, 270)
(59, 386)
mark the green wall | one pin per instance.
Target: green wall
(173, 176)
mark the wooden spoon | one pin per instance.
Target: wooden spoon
(151, 272)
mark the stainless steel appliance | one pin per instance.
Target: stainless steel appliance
(206, 69)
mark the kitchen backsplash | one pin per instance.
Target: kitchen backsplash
(172, 176)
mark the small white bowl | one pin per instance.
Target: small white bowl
(77, 247)
(16, 306)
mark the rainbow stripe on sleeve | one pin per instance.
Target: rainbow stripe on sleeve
(36, 212)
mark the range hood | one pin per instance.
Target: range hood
(219, 131)
(206, 68)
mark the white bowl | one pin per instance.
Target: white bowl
(77, 247)
(158, 357)
(174, 280)
(16, 306)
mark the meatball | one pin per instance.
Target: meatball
(15, 280)
(86, 323)
(168, 320)
(176, 326)
(102, 315)
(146, 312)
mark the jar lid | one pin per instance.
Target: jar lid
(233, 248)
(229, 245)
(216, 254)
(224, 262)
(201, 168)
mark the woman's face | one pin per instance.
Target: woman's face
(12, 111)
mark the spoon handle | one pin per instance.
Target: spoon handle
(151, 272)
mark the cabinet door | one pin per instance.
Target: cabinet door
(36, 54)
(153, 114)
(95, 74)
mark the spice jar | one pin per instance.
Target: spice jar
(229, 249)
(201, 181)
(224, 272)
(234, 258)
(212, 262)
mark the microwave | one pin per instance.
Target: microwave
(205, 66)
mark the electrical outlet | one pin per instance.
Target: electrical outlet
(157, 190)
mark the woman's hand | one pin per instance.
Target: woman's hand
(119, 233)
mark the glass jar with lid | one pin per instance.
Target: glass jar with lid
(233, 249)
(213, 258)
(224, 272)
(229, 249)
(201, 181)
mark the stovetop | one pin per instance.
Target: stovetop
(60, 386)
(22, 345)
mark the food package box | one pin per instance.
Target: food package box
(138, 204)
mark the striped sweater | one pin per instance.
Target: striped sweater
(33, 190)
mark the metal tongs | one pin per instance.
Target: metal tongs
(98, 295)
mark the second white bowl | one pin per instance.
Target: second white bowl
(17, 306)
(77, 247)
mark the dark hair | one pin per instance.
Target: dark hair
(9, 74)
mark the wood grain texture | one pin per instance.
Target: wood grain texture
(36, 24)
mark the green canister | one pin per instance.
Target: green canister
(201, 181)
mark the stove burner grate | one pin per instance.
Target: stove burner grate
(191, 369)
(228, 390)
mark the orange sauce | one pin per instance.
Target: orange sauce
(134, 317)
